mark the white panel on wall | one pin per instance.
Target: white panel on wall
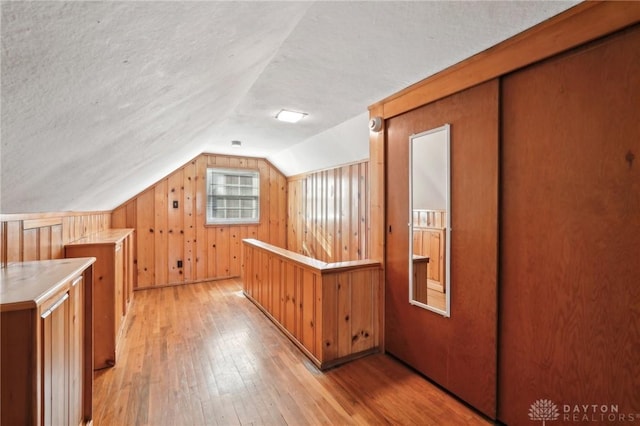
(342, 144)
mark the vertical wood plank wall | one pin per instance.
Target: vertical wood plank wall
(42, 236)
(165, 234)
(330, 310)
(328, 213)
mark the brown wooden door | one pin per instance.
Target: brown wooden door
(459, 352)
(570, 237)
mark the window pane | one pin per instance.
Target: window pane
(233, 196)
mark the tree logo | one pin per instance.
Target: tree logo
(543, 409)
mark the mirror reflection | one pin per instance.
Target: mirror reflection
(429, 248)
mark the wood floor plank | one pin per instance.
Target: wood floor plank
(202, 354)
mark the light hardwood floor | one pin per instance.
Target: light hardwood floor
(203, 354)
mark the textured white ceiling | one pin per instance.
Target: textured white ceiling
(101, 99)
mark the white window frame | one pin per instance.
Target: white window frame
(228, 200)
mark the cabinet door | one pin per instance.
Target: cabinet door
(55, 362)
(76, 297)
(119, 289)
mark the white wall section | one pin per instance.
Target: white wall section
(345, 143)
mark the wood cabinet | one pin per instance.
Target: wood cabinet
(112, 288)
(46, 342)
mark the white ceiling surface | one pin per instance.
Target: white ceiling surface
(102, 99)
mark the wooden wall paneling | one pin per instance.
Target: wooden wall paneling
(310, 226)
(276, 279)
(301, 201)
(570, 236)
(44, 243)
(266, 284)
(330, 222)
(200, 215)
(274, 286)
(274, 214)
(271, 284)
(131, 214)
(80, 226)
(132, 219)
(344, 314)
(319, 317)
(222, 161)
(145, 235)
(290, 280)
(57, 247)
(175, 227)
(264, 293)
(356, 213)
(307, 200)
(119, 217)
(223, 242)
(161, 243)
(247, 271)
(257, 270)
(212, 267)
(244, 233)
(281, 240)
(3, 244)
(331, 316)
(323, 231)
(68, 226)
(457, 352)
(306, 311)
(328, 213)
(258, 259)
(207, 252)
(30, 243)
(327, 232)
(346, 208)
(188, 201)
(263, 228)
(336, 185)
(292, 216)
(362, 324)
(317, 215)
(378, 308)
(377, 173)
(234, 250)
(363, 242)
(41, 236)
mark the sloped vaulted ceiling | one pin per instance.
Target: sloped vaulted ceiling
(101, 99)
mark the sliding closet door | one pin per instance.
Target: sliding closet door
(570, 237)
(458, 352)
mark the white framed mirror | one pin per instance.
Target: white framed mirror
(430, 220)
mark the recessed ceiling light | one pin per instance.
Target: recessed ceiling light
(236, 144)
(290, 116)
